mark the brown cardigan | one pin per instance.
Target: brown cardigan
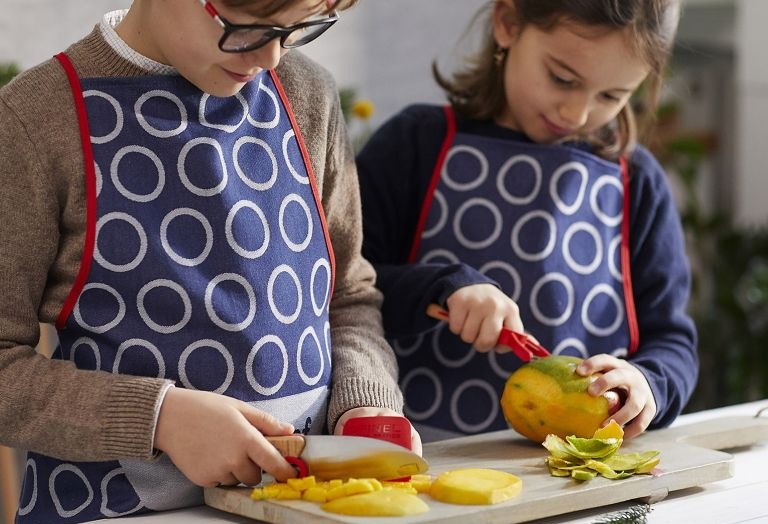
(50, 406)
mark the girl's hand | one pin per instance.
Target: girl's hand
(217, 440)
(621, 380)
(375, 412)
(477, 313)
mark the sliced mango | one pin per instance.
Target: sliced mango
(475, 486)
(384, 503)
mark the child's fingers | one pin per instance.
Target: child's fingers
(640, 423)
(488, 335)
(248, 473)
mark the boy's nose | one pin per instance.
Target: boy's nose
(574, 111)
(265, 57)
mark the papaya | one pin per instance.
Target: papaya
(546, 396)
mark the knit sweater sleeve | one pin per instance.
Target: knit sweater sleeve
(661, 285)
(46, 405)
(395, 169)
(364, 366)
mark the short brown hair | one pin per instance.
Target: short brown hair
(477, 90)
(270, 7)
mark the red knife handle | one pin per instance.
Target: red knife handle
(291, 447)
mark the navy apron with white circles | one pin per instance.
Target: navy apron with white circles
(210, 267)
(543, 221)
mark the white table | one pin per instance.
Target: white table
(740, 499)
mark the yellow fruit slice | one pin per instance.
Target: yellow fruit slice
(475, 486)
(384, 503)
(610, 430)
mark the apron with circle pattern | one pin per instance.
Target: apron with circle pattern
(549, 224)
(209, 265)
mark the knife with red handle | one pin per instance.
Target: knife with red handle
(340, 457)
(522, 345)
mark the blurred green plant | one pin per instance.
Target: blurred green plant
(357, 114)
(7, 72)
(729, 299)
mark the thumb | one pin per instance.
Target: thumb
(264, 422)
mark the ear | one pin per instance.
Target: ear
(504, 20)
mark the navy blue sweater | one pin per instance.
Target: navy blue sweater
(395, 168)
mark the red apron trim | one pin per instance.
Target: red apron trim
(311, 176)
(450, 133)
(90, 192)
(629, 298)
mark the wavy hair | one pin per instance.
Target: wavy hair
(476, 90)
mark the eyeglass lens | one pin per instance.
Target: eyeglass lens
(252, 38)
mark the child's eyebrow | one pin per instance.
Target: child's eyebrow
(575, 73)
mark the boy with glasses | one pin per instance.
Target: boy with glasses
(170, 197)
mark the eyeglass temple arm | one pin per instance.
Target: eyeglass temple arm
(212, 11)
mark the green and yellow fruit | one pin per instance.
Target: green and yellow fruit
(546, 395)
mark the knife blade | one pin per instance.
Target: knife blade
(341, 457)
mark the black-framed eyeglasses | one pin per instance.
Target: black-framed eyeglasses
(240, 38)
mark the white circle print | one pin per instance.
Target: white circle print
(229, 233)
(227, 128)
(402, 350)
(86, 341)
(504, 170)
(301, 179)
(284, 268)
(267, 124)
(120, 268)
(548, 248)
(154, 326)
(217, 346)
(309, 381)
(119, 118)
(596, 330)
(574, 343)
(439, 199)
(258, 186)
(445, 361)
(181, 164)
(215, 318)
(114, 171)
(583, 269)
(493, 401)
(255, 384)
(296, 247)
(105, 496)
(207, 229)
(161, 133)
(438, 254)
(133, 342)
(437, 399)
(317, 306)
(58, 470)
(477, 244)
(109, 325)
(26, 508)
(580, 169)
(569, 291)
(606, 219)
(467, 186)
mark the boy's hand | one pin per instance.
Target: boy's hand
(621, 379)
(477, 313)
(217, 440)
(375, 412)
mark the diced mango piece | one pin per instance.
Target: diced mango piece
(302, 483)
(315, 494)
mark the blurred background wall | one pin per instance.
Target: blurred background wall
(710, 137)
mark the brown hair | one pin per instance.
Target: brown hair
(477, 90)
(270, 7)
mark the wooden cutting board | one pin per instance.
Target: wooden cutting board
(689, 458)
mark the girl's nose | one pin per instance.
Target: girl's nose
(574, 111)
(265, 57)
